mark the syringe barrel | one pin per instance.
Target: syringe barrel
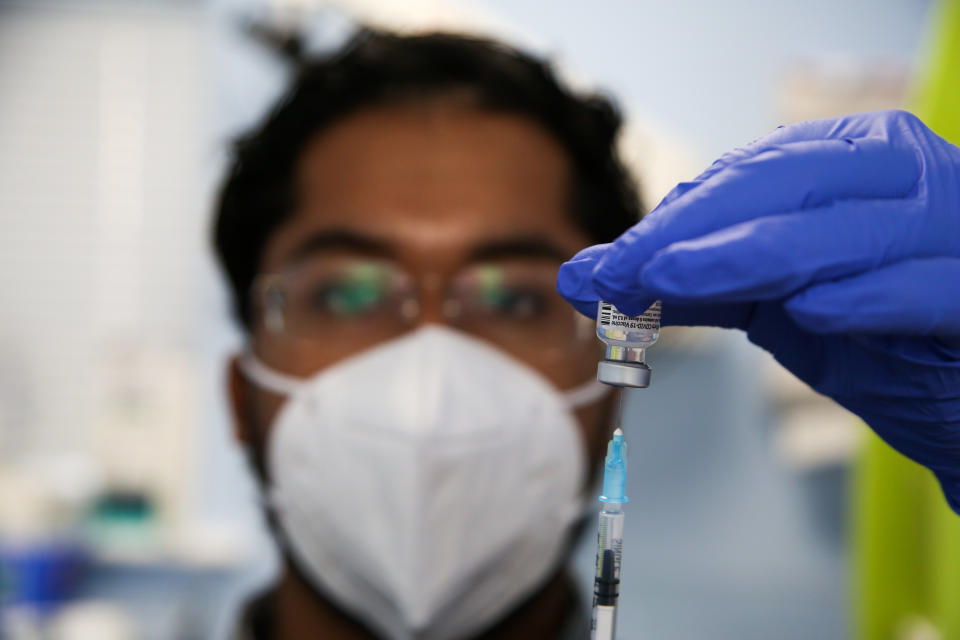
(606, 584)
(610, 535)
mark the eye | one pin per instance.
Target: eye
(358, 291)
(342, 299)
(516, 303)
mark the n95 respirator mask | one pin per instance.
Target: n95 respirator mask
(427, 485)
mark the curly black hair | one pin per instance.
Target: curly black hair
(376, 68)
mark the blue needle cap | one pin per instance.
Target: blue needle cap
(615, 470)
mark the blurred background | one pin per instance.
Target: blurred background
(126, 510)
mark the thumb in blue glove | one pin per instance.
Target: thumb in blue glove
(835, 245)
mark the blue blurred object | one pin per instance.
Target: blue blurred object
(40, 575)
(835, 244)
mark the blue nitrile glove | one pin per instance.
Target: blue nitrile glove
(835, 245)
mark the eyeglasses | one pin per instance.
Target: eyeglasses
(512, 303)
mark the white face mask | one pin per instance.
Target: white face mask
(427, 485)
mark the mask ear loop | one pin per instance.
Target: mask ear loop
(268, 378)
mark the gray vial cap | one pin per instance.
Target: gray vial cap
(624, 374)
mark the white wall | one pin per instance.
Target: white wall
(711, 70)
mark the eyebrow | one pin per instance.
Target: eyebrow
(498, 249)
(520, 247)
(338, 239)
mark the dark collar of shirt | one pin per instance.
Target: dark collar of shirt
(257, 621)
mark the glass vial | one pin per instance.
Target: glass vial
(626, 338)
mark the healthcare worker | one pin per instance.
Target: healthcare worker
(416, 396)
(419, 401)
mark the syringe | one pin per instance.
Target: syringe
(606, 584)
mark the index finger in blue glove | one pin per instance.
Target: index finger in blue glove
(784, 178)
(854, 125)
(849, 126)
(776, 256)
(575, 283)
(575, 279)
(727, 159)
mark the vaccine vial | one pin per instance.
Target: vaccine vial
(626, 338)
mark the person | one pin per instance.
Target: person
(415, 392)
(835, 244)
(419, 402)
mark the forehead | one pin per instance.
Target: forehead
(431, 181)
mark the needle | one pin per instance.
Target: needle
(619, 418)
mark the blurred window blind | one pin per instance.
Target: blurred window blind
(105, 166)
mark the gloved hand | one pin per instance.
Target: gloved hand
(835, 245)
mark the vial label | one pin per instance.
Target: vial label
(610, 318)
